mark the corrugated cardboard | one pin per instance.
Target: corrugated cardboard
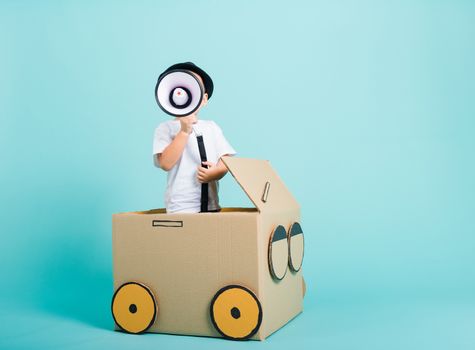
(186, 258)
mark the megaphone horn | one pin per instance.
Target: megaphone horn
(179, 93)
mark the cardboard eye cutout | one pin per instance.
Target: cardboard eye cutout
(278, 253)
(296, 247)
(133, 307)
(236, 312)
(179, 93)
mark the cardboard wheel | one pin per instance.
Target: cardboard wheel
(278, 253)
(236, 312)
(133, 307)
(296, 247)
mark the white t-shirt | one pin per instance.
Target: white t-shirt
(183, 192)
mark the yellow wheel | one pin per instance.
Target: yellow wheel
(236, 312)
(133, 307)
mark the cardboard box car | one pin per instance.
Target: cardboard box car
(236, 273)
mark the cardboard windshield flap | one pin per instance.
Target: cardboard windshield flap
(210, 274)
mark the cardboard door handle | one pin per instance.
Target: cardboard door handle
(167, 223)
(265, 194)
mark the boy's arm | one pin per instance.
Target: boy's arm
(213, 172)
(170, 155)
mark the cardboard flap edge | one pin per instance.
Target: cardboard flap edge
(258, 197)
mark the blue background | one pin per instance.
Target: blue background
(366, 109)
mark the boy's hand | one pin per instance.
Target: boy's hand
(204, 174)
(187, 123)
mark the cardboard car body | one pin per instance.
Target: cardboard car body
(185, 259)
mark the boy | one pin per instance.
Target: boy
(175, 150)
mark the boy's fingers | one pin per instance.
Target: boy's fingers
(202, 169)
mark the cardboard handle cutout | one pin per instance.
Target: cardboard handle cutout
(266, 192)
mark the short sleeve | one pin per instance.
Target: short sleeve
(222, 145)
(162, 138)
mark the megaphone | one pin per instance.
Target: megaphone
(179, 93)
